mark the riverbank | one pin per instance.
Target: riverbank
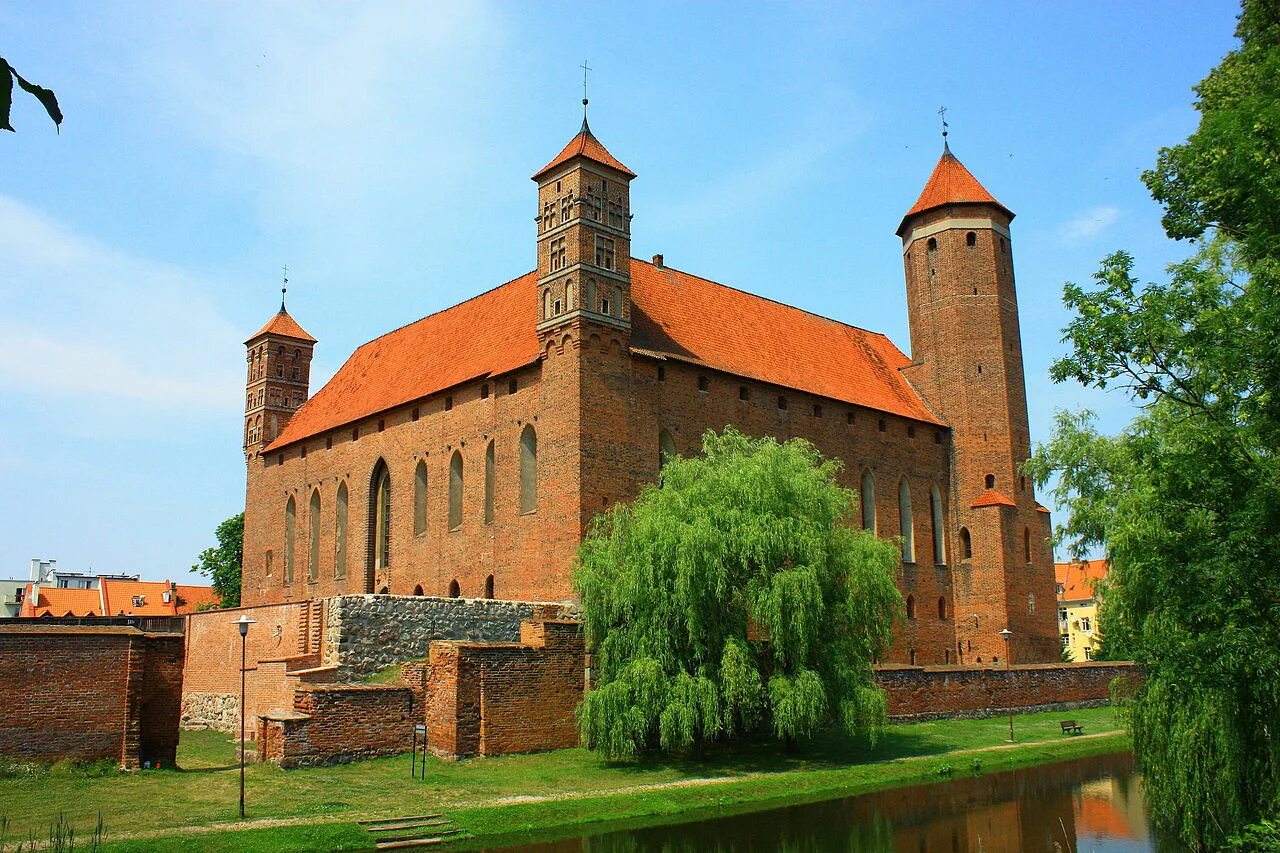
(516, 798)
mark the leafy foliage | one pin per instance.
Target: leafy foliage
(8, 75)
(680, 590)
(222, 562)
(1186, 499)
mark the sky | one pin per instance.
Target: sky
(383, 152)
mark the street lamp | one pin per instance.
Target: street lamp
(1005, 634)
(242, 624)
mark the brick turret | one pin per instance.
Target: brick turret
(967, 364)
(277, 380)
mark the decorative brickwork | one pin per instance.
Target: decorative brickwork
(90, 693)
(499, 698)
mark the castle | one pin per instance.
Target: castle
(465, 454)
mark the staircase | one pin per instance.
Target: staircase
(418, 831)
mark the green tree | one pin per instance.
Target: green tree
(752, 540)
(222, 562)
(8, 76)
(1186, 499)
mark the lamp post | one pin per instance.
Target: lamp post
(1005, 634)
(242, 624)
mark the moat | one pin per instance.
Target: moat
(1089, 805)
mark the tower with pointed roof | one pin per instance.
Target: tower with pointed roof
(277, 378)
(967, 364)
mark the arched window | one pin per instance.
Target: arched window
(591, 295)
(488, 484)
(488, 587)
(1026, 542)
(939, 537)
(313, 543)
(617, 302)
(911, 607)
(420, 498)
(340, 535)
(568, 295)
(904, 513)
(990, 480)
(546, 304)
(971, 239)
(666, 448)
(942, 608)
(528, 469)
(417, 590)
(868, 495)
(966, 544)
(455, 491)
(290, 534)
(1031, 604)
(933, 244)
(380, 518)
(454, 590)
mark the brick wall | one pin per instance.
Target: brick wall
(337, 723)
(499, 698)
(921, 693)
(90, 693)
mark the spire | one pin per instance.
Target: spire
(950, 183)
(585, 145)
(585, 68)
(282, 324)
(284, 288)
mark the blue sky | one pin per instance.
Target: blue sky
(383, 151)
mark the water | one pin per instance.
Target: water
(1089, 805)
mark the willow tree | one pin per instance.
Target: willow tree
(735, 597)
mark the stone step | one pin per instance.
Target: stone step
(452, 835)
(424, 832)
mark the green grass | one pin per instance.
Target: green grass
(386, 675)
(585, 788)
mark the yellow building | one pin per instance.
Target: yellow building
(1078, 606)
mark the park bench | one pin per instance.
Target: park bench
(1071, 727)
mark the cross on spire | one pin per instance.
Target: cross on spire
(585, 68)
(942, 114)
(284, 287)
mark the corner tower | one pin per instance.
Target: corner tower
(584, 237)
(967, 364)
(277, 380)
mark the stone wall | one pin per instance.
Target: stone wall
(926, 693)
(337, 723)
(499, 698)
(90, 693)
(364, 633)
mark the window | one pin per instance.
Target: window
(817, 410)
(911, 607)
(382, 424)
(355, 433)
(937, 436)
(604, 305)
(280, 371)
(935, 515)
(413, 416)
(662, 373)
(448, 404)
(328, 442)
(340, 535)
(744, 393)
(1086, 624)
(555, 307)
(1026, 543)
(604, 253)
(990, 481)
(488, 484)
(568, 295)
(290, 532)
(528, 469)
(381, 517)
(904, 513)
(296, 373)
(591, 294)
(868, 495)
(848, 418)
(617, 302)
(455, 491)
(782, 403)
(666, 448)
(454, 590)
(703, 384)
(417, 590)
(1031, 604)
(966, 544)
(913, 657)
(512, 385)
(484, 391)
(558, 254)
(942, 608)
(313, 543)
(933, 244)
(546, 304)
(971, 239)
(911, 431)
(420, 498)
(488, 587)
(880, 425)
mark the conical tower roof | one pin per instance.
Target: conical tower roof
(950, 183)
(585, 145)
(285, 326)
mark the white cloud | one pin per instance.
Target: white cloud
(81, 319)
(1089, 224)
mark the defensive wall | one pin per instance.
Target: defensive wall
(89, 692)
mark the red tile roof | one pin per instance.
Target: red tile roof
(1078, 578)
(991, 498)
(950, 183)
(585, 145)
(118, 597)
(284, 325)
(1042, 508)
(674, 315)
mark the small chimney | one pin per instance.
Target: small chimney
(657, 261)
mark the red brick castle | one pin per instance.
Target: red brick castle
(464, 454)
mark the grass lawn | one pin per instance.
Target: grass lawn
(314, 809)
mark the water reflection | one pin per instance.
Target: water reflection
(1090, 805)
